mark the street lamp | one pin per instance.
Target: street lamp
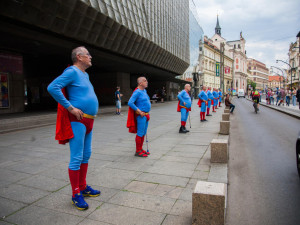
(291, 69)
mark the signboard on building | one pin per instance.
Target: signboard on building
(4, 99)
(217, 69)
(227, 69)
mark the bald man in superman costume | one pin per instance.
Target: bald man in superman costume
(184, 106)
(138, 115)
(216, 97)
(210, 100)
(75, 121)
(202, 103)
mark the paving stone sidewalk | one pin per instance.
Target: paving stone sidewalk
(35, 189)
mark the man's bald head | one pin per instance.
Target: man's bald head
(142, 82)
(187, 87)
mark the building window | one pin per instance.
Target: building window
(237, 60)
(239, 46)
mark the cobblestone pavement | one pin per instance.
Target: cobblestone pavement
(35, 188)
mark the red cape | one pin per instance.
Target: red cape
(179, 107)
(64, 130)
(200, 101)
(131, 120)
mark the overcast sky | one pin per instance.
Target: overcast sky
(268, 26)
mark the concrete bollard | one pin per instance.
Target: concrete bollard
(224, 127)
(226, 116)
(227, 107)
(226, 111)
(219, 151)
(209, 203)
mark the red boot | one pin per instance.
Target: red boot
(139, 145)
(74, 180)
(82, 176)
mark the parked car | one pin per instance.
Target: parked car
(298, 153)
(241, 93)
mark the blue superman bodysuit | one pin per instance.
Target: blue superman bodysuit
(81, 95)
(210, 98)
(216, 97)
(184, 97)
(140, 100)
(203, 99)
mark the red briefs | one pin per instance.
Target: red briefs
(88, 123)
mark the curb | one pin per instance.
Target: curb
(279, 110)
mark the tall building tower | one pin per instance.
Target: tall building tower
(218, 28)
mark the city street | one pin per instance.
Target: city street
(264, 186)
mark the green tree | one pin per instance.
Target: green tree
(252, 84)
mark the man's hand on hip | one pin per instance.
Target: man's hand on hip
(76, 112)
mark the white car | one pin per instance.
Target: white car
(241, 93)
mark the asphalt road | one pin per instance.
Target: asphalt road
(264, 187)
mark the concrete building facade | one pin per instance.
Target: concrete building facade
(259, 73)
(125, 38)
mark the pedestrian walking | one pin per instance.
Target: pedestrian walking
(210, 100)
(228, 103)
(118, 96)
(184, 106)
(294, 98)
(272, 97)
(75, 121)
(202, 103)
(298, 96)
(282, 97)
(278, 96)
(288, 97)
(138, 115)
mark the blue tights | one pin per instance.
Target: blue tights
(184, 114)
(142, 126)
(80, 146)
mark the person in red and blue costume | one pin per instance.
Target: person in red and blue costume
(220, 97)
(210, 100)
(216, 97)
(184, 106)
(76, 115)
(202, 103)
(138, 115)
